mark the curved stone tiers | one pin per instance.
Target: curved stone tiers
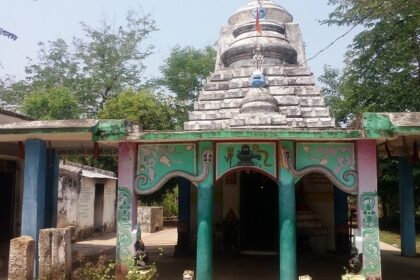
(273, 54)
(300, 104)
(290, 98)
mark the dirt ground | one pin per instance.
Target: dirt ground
(241, 267)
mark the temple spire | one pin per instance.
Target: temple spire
(259, 80)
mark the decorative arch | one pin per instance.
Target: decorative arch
(336, 161)
(159, 163)
(259, 156)
(242, 168)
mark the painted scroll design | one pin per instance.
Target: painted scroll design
(239, 155)
(206, 161)
(370, 232)
(347, 183)
(156, 161)
(124, 240)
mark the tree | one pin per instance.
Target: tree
(142, 107)
(382, 70)
(184, 73)
(56, 103)
(112, 60)
(94, 67)
(381, 73)
(186, 69)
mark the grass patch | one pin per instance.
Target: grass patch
(393, 238)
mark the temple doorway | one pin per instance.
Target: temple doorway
(259, 214)
(98, 207)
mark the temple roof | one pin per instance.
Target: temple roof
(229, 100)
(395, 133)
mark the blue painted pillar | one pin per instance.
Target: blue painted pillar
(407, 209)
(204, 269)
(287, 214)
(33, 208)
(51, 189)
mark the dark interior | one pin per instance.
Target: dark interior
(7, 186)
(259, 213)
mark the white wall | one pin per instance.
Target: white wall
(67, 202)
(85, 214)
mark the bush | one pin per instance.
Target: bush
(104, 269)
(170, 202)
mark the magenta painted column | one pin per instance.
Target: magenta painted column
(127, 207)
(368, 223)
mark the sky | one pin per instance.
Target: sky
(181, 22)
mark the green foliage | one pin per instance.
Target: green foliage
(56, 103)
(104, 269)
(186, 69)
(135, 273)
(381, 74)
(333, 91)
(142, 107)
(382, 70)
(93, 68)
(388, 192)
(166, 197)
(170, 202)
(111, 59)
(184, 73)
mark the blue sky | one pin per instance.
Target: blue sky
(180, 22)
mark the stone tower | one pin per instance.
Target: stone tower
(261, 79)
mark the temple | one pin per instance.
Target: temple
(260, 163)
(287, 96)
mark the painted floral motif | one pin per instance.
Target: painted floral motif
(370, 232)
(339, 155)
(159, 163)
(124, 240)
(154, 161)
(335, 160)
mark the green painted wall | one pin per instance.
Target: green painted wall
(247, 154)
(338, 158)
(155, 162)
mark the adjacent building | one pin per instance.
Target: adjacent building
(86, 199)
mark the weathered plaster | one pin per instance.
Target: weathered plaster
(243, 134)
(110, 197)
(386, 125)
(68, 194)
